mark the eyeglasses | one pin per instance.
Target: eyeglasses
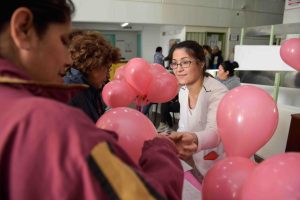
(183, 64)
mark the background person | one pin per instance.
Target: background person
(50, 150)
(208, 56)
(159, 57)
(226, 74)
(92, 56)
(217, 57)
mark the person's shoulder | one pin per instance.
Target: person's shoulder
(213, 84)
(73, 76)
(235, 78)
(233, 82)
(54, 111)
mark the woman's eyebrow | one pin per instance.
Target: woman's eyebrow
(181, 58)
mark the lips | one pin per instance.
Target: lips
(181, 75)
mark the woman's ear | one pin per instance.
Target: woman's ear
(202, 64)
(22, 28)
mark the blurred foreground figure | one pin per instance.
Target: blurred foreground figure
(48, 149)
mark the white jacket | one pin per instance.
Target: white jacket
(201, 120)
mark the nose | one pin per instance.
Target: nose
(179, 67)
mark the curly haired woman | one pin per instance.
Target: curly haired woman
(92, 58)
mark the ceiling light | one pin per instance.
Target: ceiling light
(125, 24)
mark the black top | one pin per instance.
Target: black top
(89, 100)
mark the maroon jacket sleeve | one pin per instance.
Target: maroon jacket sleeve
(160, 162)
(157, 162)
(47, 152)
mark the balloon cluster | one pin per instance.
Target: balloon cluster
(247, 118)
(141, 83)
(290, 52)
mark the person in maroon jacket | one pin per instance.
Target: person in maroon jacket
(49, 150)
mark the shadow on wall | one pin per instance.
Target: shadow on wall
(287, 79)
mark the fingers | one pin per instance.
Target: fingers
(186, 151)
(190, 138)
(185, 144)
(163, 133)
(176, 136)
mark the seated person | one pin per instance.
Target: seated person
(92, 57)
(226, 74)
(197, 136)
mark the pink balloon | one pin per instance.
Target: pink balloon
(138, 75)
(156, 68)
(276, 178)
(290, 52)
(132, 127)
(118, 93)
(163, 88)
(119, 74)
(226, 178)
(247, 117)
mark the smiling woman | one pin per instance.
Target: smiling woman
(197, 135)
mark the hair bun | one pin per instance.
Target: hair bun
(235, 65)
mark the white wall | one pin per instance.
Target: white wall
(159, 35)
(195, 14)
(288, 103)
(150, 40)
(168, 33)
(217, 13)
(127, 43)
(291, 12)
(260, 58)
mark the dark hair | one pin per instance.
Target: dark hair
(158, 49)
(44, 12)
(194, 49)
(230, 66)
(208, 48)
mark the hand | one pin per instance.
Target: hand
(186, 143)
(166, 137)
(164, 133)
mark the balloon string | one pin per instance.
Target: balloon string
(138, 107)
(141, 102)
(144, 102)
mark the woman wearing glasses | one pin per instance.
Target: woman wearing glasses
(197, 138)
